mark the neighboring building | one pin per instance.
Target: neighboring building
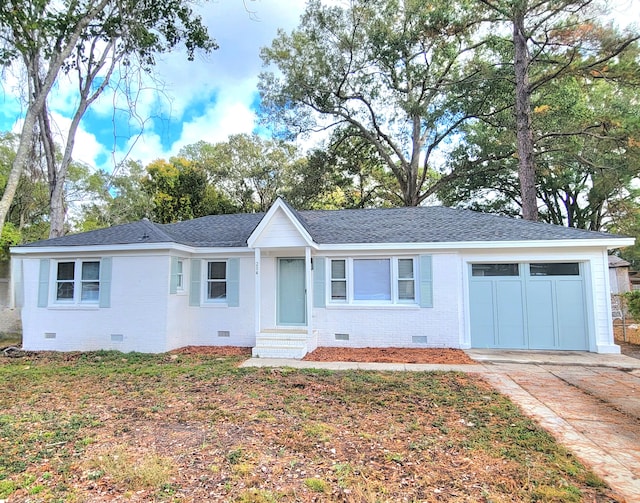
(285, 282)
(619, 275)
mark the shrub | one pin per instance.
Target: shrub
(632, 299)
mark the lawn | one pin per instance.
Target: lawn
(108, 426)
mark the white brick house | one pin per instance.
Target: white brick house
(286, 282)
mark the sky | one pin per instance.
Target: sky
(208, 99)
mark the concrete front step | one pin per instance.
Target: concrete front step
(279, 352)
(281, 344)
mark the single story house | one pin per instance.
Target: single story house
(285, 282)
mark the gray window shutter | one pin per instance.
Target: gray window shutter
(426, 281)
(194, 287)
(43, 283)
(105, 282)
(173, 283)
(233, 282)
(319, 299)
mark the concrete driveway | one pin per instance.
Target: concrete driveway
(590, 404)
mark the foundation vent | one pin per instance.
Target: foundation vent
(419, 339)
(117, 337)
(49, 335)
(224, 333)
(342, 337)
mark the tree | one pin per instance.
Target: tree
(27, 216)
(551, 39)
(587, 153)
(90, 38)
(400, 74)
(123, 200)
(249, 169)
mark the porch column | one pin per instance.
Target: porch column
(256, 310)
(308, 289)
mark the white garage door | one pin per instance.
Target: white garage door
(528, 306)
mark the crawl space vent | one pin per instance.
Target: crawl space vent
(342, 337)
(224, 333)
(117, 337)
(419, 339)
(49, 335)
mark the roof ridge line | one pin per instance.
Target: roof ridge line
(157, 227)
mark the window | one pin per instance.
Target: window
(78, 281)
(216, 280)
(90, 282)
(179, 275)
(406, 279)
(373, 280)
(495, 270)
(555, 269)
(339, 280)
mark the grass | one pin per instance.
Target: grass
(101, 425)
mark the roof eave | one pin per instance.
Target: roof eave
(126, 247)
(609, 243)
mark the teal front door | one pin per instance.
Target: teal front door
(291, 302)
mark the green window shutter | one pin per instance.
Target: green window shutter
(233, 282)
(319, 299)
(105, 282)
(194, 287)
(43, 283)
(426, 281)
(173, 283)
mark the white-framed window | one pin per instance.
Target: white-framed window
(406, 279)
(339, 280)
(77, 281)
(386, 280)
(216, 280)
(180, 275)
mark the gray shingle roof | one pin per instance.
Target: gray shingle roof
(432, 224)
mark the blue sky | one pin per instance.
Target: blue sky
(206, 99)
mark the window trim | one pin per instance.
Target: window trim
(180, 275)
(394, 280)
(206, 281)
(77, 282)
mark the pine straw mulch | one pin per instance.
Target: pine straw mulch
(390, 355)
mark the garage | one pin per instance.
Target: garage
(537, 305)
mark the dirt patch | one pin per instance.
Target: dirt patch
(390, 355)
(222, 351)
(630, 333)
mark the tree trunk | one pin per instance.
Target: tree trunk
(524, 132)
(20, 161)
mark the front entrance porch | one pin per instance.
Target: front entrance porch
(283, 314)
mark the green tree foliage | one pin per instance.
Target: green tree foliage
(549, 40)
(27, 214)
(584, 122)
(586, 151)
(249, 170)
(179, 191)
(123, 199)
(400, 74)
